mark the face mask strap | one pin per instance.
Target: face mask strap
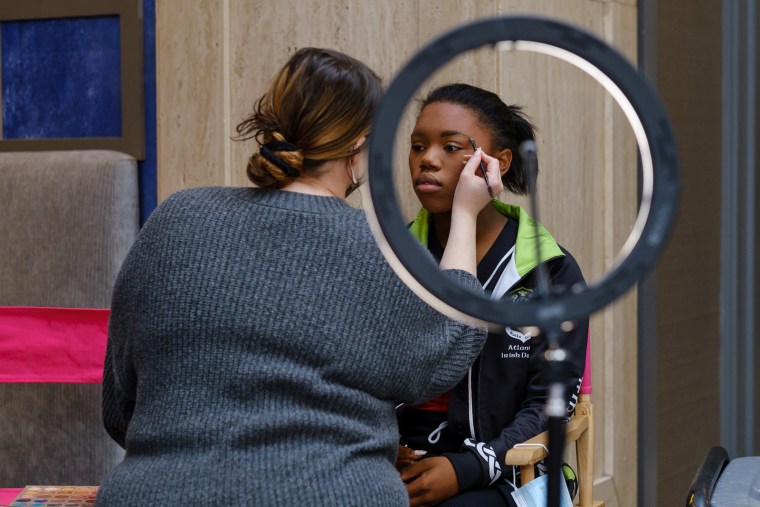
(354, 183)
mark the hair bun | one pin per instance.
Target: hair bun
(276, 162)
(319, 103)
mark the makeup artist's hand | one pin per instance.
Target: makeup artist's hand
(430, 481)
(471, 194)
(470, 197)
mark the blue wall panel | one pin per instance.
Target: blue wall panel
(147, 167)
(61, 78)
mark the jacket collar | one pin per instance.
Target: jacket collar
(525, 245)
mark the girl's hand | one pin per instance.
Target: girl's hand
(471, 194)
(430, 481)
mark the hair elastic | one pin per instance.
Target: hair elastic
(281, 146)
(267, 150)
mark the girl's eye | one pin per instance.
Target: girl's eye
(452, 148)
(418, 147)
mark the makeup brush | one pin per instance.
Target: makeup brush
(482, 168)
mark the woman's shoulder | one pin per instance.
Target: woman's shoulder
(195, 198)
(186, 205)
(198, 195)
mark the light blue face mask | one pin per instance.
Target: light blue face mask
(533, 494)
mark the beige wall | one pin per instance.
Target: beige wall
(215, 57)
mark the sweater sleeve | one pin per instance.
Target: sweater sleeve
(476, 465)
(119, 376)
(116, 407)
(445, 348)
(119, 379)
(463, 345)
(119, 389)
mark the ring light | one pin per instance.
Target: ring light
(641, 107)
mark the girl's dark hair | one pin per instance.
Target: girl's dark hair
(317, 106)
(508, 125)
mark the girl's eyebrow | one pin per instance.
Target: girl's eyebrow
(445, 133)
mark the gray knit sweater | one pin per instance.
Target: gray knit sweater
(258, 344)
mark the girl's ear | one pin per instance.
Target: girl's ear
(505, 160)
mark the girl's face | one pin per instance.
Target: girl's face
(440, 140)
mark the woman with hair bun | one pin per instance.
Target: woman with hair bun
(466, 432)
(258, 341)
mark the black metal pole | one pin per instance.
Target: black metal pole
(556, 411)
(555, 355)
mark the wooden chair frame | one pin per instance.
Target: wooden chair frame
(580, 430)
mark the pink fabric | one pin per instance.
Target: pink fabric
(7, 495)
(586, 382)
(65, 345)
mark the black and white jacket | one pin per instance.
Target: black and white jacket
(500, 402)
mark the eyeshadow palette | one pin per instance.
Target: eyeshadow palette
(56, 496)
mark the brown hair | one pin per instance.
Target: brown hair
(316, 108)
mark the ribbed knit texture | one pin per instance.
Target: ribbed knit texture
(258, 345)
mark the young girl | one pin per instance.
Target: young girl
(500, 402)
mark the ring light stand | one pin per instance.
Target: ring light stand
(552, 307)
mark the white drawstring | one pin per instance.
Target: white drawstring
(532, 445)
(513, 482)
(514, 475)
(435, 435)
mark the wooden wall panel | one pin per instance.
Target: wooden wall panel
(291, 24)
(384, 44)
(189, 95)
(619, 330)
